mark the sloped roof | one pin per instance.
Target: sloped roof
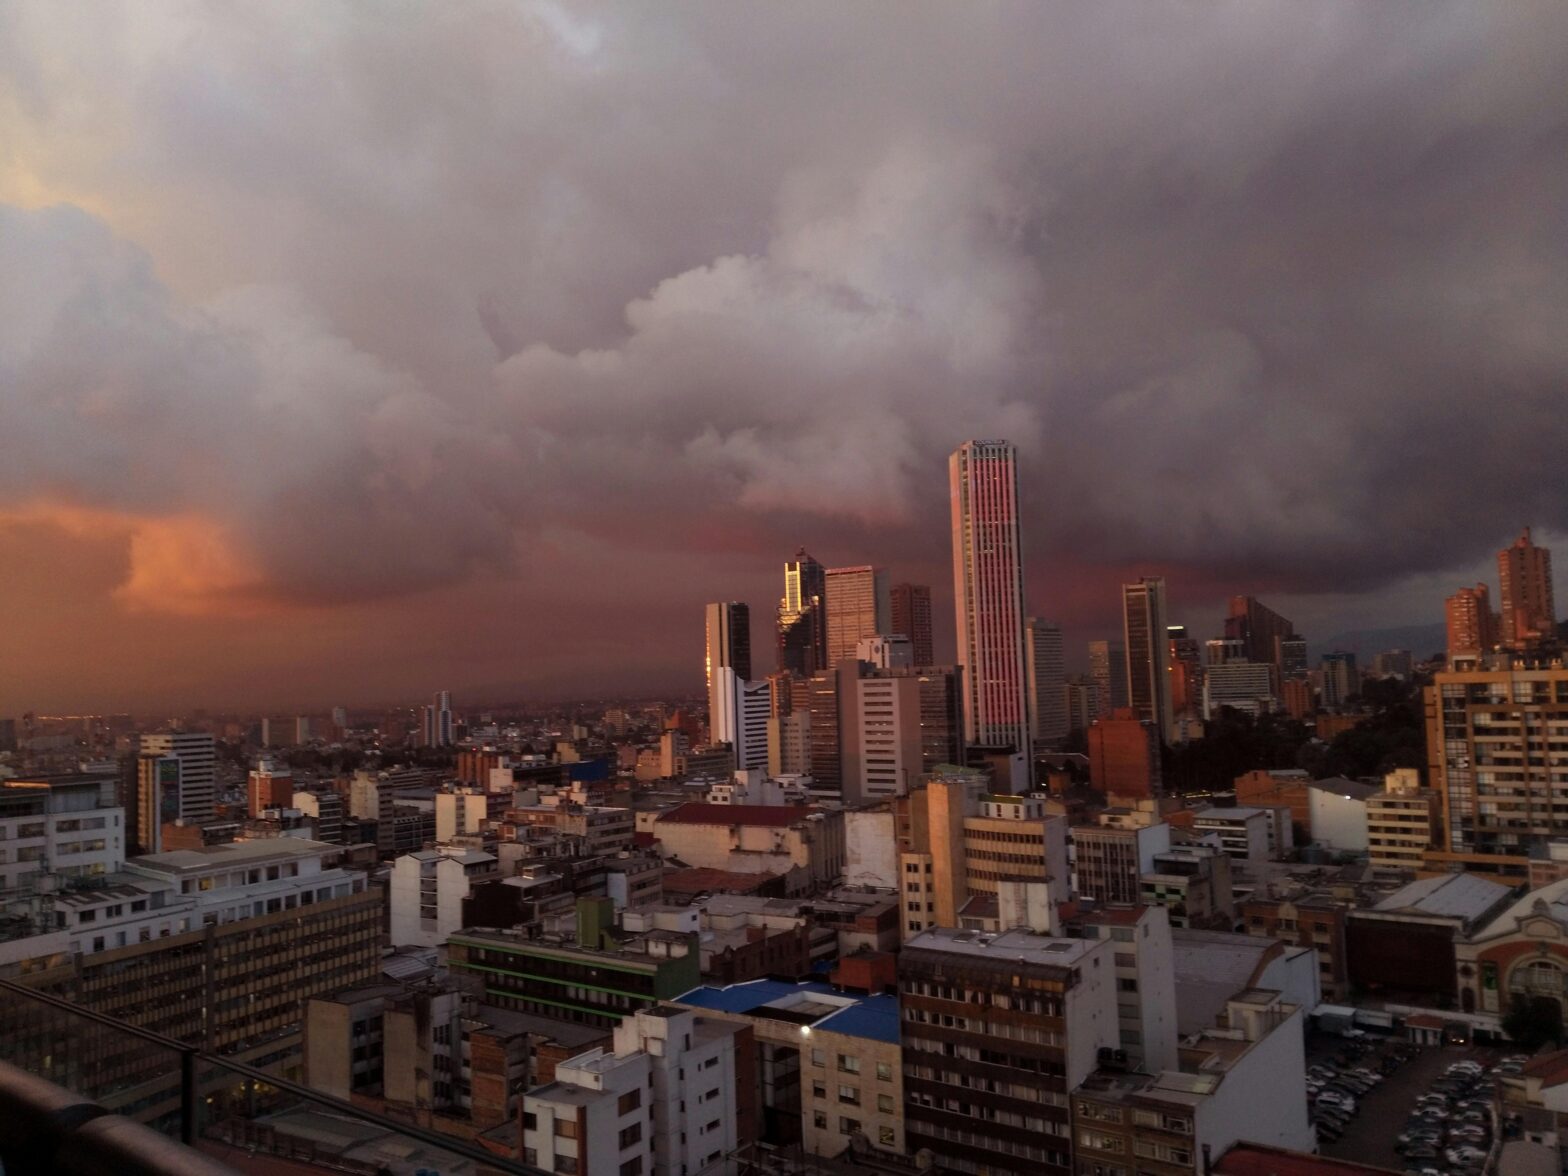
(1553, 896)
(1461, 896)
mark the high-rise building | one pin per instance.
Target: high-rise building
(1340, 678)
(1471, 630)
(197, 754)
(1258, 627)
(436, 728)
(740, 716)
(988, 595)
(1186, 672)
(1108, 671)
(1492, 743)
(857, 607)
(1148, 653)
(1524, 573)
(898, 724)
(817, 697)
(1290, 655)
(1047, 678)
(802, 632)
(911, 609)
(1081, 695)
(728, 643)
(1241, 685)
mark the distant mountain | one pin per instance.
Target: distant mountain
(1420, 640)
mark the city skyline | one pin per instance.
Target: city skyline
(384, 377)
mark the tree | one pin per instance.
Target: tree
(1532, 1023)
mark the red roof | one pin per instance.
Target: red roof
(696, 879)
(1254, 1159)
(698, 813)
(1551, 1069)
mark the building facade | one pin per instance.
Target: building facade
(988, 592)
(911, 616)
(1145, 629)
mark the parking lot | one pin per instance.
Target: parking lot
(1382, 1112)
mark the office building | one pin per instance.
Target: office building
(1259, 629)
(1341, 681)
(1124, 755)
(817, 698)
(1108, 671)
(727, 645)
(740, 715)
(1109, 862)
(197, 754)
(1148, 653)
(1022, 1014)
(1240, 685)
(1046, 670)
(1291, 657)
(802, 633)
(1494, 757)
(857, 606)
(886, 652)
(1186, 659)
(1524, 573)
(911, 616)
(896, 725)
(326, 809)
(1082, 698)
(988, 596)
(1243, 833)
(436, 721)
(154, 803)
(1393, 663)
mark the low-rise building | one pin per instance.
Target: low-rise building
(428, 889)
(1243, 833)
(1402, 822)
(1339, 813)
(1193, 883)
(1309, 919)
(1404, 946)
(804, 844)
(1145, 978)
(1110, 861)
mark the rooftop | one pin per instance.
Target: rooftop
(233, 853)
(1461, 896)
(809, 1004)
(1020, 945)
(1227, 813)
(1353, 789)
(779, 816)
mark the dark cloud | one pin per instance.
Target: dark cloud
(342, 303)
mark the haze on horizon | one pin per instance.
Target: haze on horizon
(348, 352)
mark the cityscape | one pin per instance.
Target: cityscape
(431, 744)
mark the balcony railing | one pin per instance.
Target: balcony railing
(120, 1093)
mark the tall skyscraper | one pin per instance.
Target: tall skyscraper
(1524, 573)
(802, 633)
(988, 595)
(857, 607)
(1108, 671)
(1047, 681)
(1258, 627)
(436, 721)
(1469, 616)
(1341, 681)
(912, 617)
(740, 716)
(1148, 653)
(1186, 672)
(197, 754)
(728, 643)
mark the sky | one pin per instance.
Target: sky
(350, 352)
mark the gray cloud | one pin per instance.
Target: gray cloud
(1276, 291)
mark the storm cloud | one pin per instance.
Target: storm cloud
(319, 305)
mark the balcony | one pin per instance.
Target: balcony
(84, 1093)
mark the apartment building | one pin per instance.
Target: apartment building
(1145, 978)
(66, 826)
(1402, 822)
(1243, 833)
(1109, 861)
(1193, 883)
(427, 890)
(998, 1030)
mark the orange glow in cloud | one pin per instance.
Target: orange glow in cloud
(185, 564)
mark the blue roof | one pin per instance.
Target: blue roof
(873, 1017)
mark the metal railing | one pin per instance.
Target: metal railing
(161, 1085)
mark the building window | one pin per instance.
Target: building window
(631, 1135)
(885, 1136)
(632, 1167)
(629, 1102)
(850, 1095)
(819, 1088)
(566, 1128)
(819, 1119)
(885, 1071)
(848, 1126)
(848, 1064)
(885, 1104)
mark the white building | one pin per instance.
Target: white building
(1243, 832)
(886, 651)
(1338, 808)
(662, 1101)
(428, 889)
(740, 717)
(1145, 980)
(68, 826)
(197, 754)
(1241, 685)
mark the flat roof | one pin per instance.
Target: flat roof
(774, 815)
(1462, 896)
(234, 853)
(819, 1006)
(1017, 944)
